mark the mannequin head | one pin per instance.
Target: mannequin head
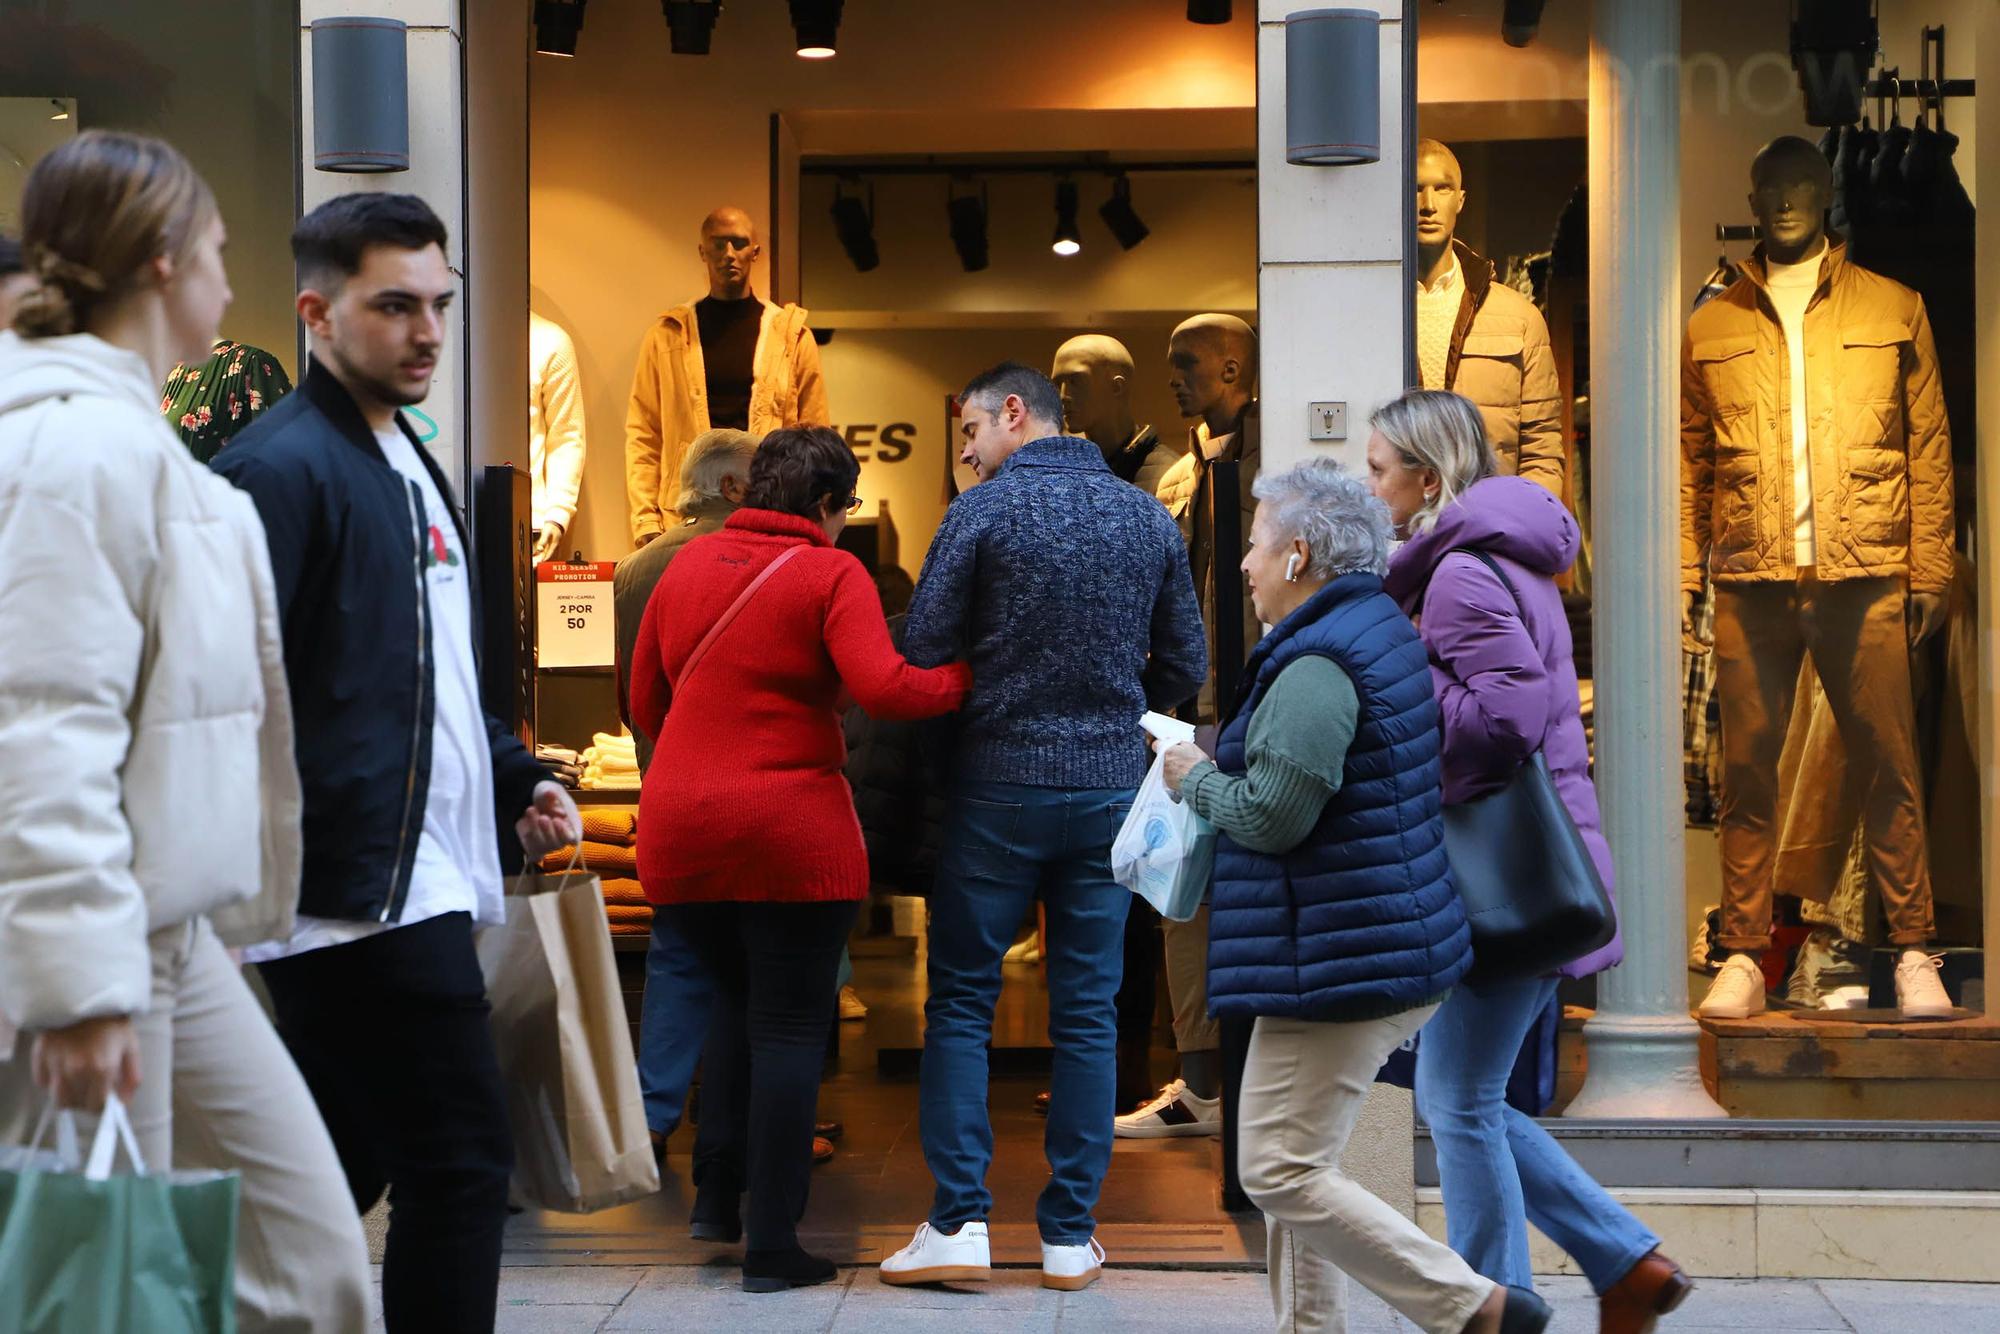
(729, 251)
(1003, 409)
(1791, 188)
(1093, 374)
(1212, 369)
(1440, 198)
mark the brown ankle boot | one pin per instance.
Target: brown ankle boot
(1635, 1303)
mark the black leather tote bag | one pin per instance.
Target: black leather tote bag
(1532, 894)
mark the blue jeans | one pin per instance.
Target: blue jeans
(1005, 844)
(673, 1024)
(1497, 1168)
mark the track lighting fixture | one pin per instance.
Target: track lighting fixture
(1120, 216)
(1834, 45)
(1068, 239)
(816, 24)
(854, 224)
(967, 213)
(1208, 11)
(1520, 20)
(690, 24)
(557, 23)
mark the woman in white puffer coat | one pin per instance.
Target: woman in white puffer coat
(146, 769)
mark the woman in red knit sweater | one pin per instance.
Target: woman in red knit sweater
(747, 829)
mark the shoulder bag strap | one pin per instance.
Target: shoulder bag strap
(722, 623)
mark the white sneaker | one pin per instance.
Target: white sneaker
(932, 1257)
(1919, 993)
(1071, 1268)
(1738, 991)
(851, 1004)
(1175, 1112)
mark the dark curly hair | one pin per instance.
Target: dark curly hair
(798, 467)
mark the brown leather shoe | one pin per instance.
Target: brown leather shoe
(822, 1149)
(1650, 1289)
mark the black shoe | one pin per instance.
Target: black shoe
(775, 1271)
(830, 1130)
(1042, 1103)
(717, 1215)
(1524, 1313)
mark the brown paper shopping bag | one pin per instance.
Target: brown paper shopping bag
(580, 1141)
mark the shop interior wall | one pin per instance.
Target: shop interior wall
(631, 146)
(218, 81)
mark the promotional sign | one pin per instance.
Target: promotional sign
(573, 617)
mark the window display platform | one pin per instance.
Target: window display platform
(1807, 1064)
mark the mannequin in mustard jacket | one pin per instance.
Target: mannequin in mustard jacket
(731, 360)
(1816, 491)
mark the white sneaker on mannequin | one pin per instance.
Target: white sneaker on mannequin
(1919, 992)
(1738, 991)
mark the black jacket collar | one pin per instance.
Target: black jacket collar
(330, 396)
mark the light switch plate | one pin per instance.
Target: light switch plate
(1326, 421)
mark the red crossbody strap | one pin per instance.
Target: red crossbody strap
(742, 600)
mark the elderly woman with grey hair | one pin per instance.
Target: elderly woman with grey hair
(1335, 923)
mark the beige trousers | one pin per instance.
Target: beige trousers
(1303, 1087)
(1187, 983)
(218, 1090)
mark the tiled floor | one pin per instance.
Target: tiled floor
(1158, 1205)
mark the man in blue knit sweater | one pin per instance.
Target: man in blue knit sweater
(1068, 592)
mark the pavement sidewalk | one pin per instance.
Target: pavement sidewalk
(587, 1298)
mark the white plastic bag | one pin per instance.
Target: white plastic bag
(1164, 852)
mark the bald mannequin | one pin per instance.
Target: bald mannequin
(729, 250)
(1212, 369)
(1093, 373)
(730, 360)
(1480, 338)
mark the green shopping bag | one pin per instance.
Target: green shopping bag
(87, 1252)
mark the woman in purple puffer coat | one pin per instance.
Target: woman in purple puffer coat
(1506, 686)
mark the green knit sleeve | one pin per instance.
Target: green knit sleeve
(1295, 755)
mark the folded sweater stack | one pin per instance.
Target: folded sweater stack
(609, 852)
(564, 763)
(611, 764)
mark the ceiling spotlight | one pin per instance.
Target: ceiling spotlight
(816, 24)
(968, 229)
(557, 22)
(1520, 20)
(1120, 216)
(1068, 239)
(62, 112)
(690, 24)
(854, 224)
(1208, 11)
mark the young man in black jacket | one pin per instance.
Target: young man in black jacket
(411, 788)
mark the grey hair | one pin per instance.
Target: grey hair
(1345, 529)
(712, 456)
(1442, 431)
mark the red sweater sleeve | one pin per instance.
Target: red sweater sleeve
(650, 692)
(880, 680)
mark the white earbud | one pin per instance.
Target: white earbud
(1292, 568)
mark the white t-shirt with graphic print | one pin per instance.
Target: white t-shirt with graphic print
(457, 865)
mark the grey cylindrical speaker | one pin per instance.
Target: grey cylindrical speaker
(361, 94)
(1333, 87)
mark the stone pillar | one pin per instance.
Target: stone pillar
(1644, 1053)
(1333, 299)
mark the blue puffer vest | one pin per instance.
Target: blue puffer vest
(1361, 920)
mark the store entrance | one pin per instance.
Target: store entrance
(933, 223)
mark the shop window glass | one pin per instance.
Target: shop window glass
(218, 80)
(1869, 789)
